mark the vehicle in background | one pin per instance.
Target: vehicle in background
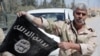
(53, 14)
(93, 14)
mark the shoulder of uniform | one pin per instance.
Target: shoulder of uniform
(67, 21)
(91, 30)
(93, 33)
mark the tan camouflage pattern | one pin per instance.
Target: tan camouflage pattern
(86, 37)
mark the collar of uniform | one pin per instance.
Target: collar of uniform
(84, 31)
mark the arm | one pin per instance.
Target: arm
(35, 20)
(69, 45)
(40, 22)
(90, 45)
(86, 48)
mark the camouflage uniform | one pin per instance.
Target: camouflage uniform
(66, 31)
(2, 36)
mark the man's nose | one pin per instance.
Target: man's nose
(80, 15)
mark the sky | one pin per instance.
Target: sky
(89, 3)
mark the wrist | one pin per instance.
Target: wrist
(75, 46)
(72, 46)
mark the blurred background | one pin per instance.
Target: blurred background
(8, 8)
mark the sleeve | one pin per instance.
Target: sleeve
(47, 25)
(89, 46)
(45, 22)
(51, 26)
(1, 35)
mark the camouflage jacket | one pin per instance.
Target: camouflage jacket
(66, 31)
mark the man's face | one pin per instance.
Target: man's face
(80, 16)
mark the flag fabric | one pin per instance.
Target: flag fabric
(25, 39)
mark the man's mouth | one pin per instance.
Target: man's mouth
(80, 21)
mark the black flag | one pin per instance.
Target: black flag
(25, 39)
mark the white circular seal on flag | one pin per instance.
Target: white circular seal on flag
(22, 46)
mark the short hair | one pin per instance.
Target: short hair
(80, 6)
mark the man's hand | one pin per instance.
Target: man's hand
(69, 45)
(21, 13)
(65, 45)
(35, 20)
(28, 16)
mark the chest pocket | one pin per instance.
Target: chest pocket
(82, 38)
(65, 36)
